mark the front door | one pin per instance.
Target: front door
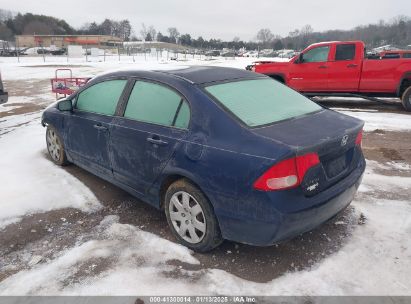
(88, 126)
(142, 142)
(311, 75)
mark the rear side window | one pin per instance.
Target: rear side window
(261, 101)
(154, 103)
(101, 98)
(345, 52)
(318, 54)
(406, 55)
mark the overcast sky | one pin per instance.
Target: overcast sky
(223, 19)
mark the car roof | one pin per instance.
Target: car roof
(206, 74)
(192, 74)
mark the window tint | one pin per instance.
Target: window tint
(406, 55)
(262, 101)
(319, 54)
(153, 103)
(345, 52)
(102, 97)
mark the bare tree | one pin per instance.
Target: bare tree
(265, 36)
(143, 31)
(305, 34)
(125, 29)
(152, 31)
(174, 34)
(5, 15)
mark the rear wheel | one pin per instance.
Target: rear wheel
(55, 147)
(406, 99)
(191, 217)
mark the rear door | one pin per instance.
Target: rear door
(311, 75)
(344, 69)
(88, 126)
(155, 122)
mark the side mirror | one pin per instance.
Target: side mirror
(65, 105)
(300, 58)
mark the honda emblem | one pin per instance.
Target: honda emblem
(344, 140)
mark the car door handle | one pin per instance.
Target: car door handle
(352, 65)
(100, 127)
(155, 140)
(322, 67)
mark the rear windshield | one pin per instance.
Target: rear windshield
(261, 101)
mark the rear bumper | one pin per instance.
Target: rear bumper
(281, 216)
(4, 97)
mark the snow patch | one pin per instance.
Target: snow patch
(30, 182)
(131, 261)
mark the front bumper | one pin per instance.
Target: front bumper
(4, 97)
(281, 216)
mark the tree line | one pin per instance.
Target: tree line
(395, 32)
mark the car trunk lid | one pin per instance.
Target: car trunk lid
(329, 134)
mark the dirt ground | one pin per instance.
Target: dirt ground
(44, 234)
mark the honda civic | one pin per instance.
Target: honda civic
(226, 153)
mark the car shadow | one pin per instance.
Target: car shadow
(258, 264)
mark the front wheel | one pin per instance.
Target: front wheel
(406, 99)
(55, 147)
(191, 217)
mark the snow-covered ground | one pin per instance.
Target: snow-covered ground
(374, 260)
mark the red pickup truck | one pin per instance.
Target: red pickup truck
(342, 69)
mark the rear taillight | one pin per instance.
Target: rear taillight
(358, 140)
(286, 174)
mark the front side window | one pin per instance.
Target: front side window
(261, 101)
(345, 52)
(101, 98)
(318, 54)
(154, 103)
(406, 55)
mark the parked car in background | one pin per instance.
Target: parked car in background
(228, 53)
(4, 96)
(57, 52)
(251, 54)
(341, 69)
(43, 51)
(226, 153)
(212, 53)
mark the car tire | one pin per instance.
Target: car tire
(55, 147)
(406, 99)
(191, 217)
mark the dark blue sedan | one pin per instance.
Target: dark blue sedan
(226, 153)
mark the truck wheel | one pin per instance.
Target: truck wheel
(406, 99)
(191, 217)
